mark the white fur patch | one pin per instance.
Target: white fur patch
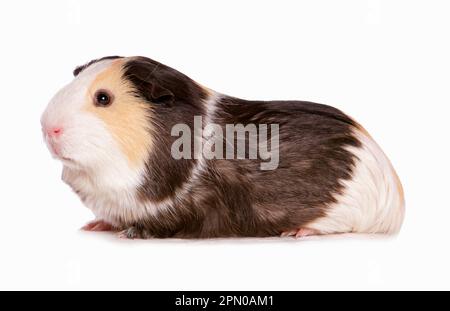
(210, 105)
(372, 201)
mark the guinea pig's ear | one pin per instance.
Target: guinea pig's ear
(160, 94)
(146, 77)
(77, 70)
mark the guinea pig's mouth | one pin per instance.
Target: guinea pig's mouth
(56, 153)
(64, 160)
(67, 160)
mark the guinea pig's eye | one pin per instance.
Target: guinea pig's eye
(103, 98)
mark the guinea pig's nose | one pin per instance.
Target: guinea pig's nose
(54, 131)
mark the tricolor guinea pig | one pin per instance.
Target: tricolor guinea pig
(153, 154)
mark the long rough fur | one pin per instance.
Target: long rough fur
(332, 177)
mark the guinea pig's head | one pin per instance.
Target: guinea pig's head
(105, 119)
(110, 117)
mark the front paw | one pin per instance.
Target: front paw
(134, 233)
(98, 225)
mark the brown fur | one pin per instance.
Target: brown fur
(234, 197)
(228, 197)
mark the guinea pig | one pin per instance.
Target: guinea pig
(144, 146)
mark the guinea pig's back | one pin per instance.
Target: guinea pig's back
(332, 176)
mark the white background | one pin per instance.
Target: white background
(386, 63)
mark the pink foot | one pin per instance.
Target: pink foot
(300, 233)
(98, 225)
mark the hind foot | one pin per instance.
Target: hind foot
(300, 233)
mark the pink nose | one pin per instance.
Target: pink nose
(54, 131)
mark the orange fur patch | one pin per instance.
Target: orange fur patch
(127, 118)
